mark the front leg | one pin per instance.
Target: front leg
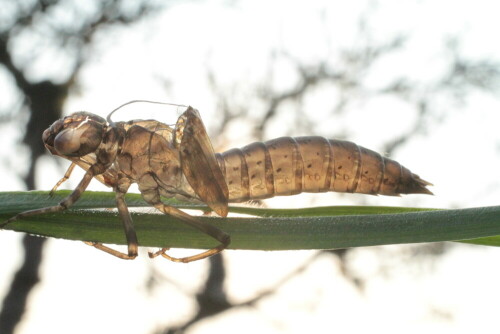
(63, 179)
(63, 205)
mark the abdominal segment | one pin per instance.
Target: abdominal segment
(288, 166)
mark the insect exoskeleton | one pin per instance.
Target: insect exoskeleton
(179, 161)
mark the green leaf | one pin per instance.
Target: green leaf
(274, 229)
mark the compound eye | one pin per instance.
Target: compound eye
(68, 141)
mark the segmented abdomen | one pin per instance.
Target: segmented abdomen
(288, 166)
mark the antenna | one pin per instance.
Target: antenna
(108, 118)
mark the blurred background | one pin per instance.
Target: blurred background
(416, 80)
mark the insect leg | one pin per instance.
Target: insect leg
(127, 226)
(212, 231)
(63, 179)
(63, 205)
(111, 251)
(157, 253)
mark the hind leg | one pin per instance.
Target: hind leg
(208, 229)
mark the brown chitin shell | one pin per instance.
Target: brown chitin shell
(288, 166)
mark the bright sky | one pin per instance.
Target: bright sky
(82, 289)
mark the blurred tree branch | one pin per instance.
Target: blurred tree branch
(212, 299)
(43, 100)
(463, 77)
(344, 78)
(344, 75)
